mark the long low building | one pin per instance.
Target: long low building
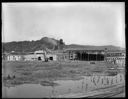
(13, 56)
(85, 55)
(40, 55)
(113, 56)
(116, 57)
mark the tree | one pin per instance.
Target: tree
(61, 41)
(61, 44)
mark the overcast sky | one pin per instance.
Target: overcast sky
(76, 23)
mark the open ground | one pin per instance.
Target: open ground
(21, 72)
(45, 73)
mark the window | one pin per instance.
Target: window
(39, 58)
(51, 58)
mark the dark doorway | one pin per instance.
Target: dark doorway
(100, 57)
(51, 58)
(39, 58)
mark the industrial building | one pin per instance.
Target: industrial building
(85, 55)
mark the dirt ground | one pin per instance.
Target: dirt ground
(113, 91)
(20, 72)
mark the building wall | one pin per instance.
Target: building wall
(116, 58)
(14, 57)
(52, 55)
(42, 56)
(33, 57)
(37, 55)
(72, 56)
(86, 55)
(30, 57)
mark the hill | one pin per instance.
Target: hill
(31, 46)
(49, 43)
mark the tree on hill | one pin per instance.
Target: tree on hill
(61, 44)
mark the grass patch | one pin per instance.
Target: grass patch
(34, 71)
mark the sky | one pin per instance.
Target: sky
(84, 23)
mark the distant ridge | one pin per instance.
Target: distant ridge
(109, 47)
(50, 44)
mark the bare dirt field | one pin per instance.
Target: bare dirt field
(19, 72)
(45, 73)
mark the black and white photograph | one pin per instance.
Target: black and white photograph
(63, 50)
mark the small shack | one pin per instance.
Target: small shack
(37, 55)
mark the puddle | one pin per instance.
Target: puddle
(64, 87)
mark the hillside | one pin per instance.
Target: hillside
(49, 43)
(30, 46)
